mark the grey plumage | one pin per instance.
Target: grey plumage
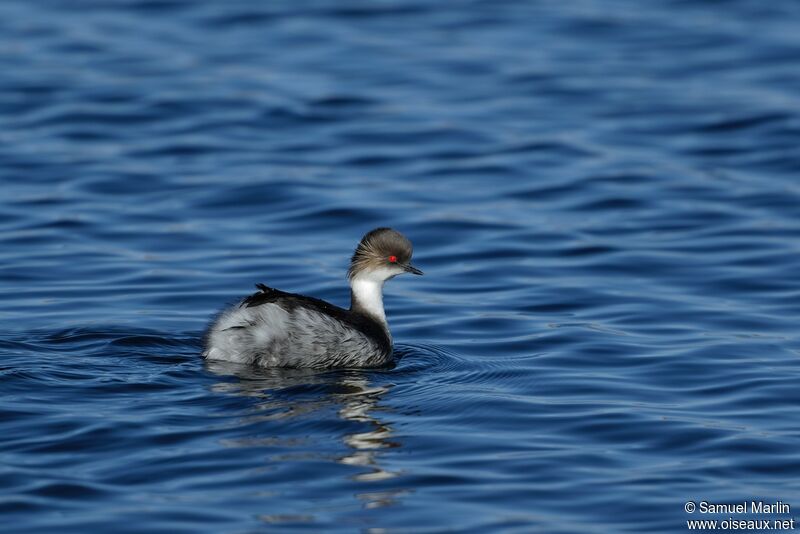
(272, 328)
(375, 247)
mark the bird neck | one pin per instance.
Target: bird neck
(366, 296)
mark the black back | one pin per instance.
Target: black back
(290, 301)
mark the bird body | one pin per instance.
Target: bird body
(273, 328)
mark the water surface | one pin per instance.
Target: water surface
(603, 196)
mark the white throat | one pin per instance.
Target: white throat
(367, 290)
(369, 295)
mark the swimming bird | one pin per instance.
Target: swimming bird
(272, 328)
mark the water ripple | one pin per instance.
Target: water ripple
(603, 198)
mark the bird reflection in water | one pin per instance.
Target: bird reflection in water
(298, 393)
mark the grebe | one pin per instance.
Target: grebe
(272, 328)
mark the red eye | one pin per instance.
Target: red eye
(393, 259)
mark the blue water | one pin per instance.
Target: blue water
(604, 196)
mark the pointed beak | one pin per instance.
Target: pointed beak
(411, 269)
